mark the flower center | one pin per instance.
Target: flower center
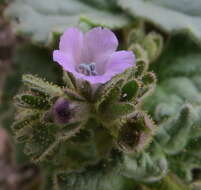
(87, 69)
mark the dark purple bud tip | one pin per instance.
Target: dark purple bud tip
(62, 111)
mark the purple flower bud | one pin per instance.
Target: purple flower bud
(92, 56)
(62, 111)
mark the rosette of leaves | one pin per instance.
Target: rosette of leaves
(97, 122)
(172, 16)
(175, 105)
(61, 15)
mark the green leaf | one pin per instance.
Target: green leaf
(146, 167)
(176, 105)
(178, 72)
(103, 4)
(103, 176)
(93, 180)
(172, 15)
(169, 182)
(41, 20)
(174, 133)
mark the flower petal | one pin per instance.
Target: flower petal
(65, 60)
(119, 62)
(99, 44)
(72, 42)
(96, 79)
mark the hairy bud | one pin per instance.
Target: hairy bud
(62, 111)
(136, 133)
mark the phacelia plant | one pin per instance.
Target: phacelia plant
(84, 129)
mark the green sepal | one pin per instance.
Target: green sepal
(141, 67)
(23, 134)
(30, 101)
(41, 85)
(37, 92)
(149, 78)
(73, 95)
(118, 110)
(115, 82)
(112, 96)
(69, 80)
(110, 108)
(85, 89)
(129, 90)
(136, 133)
(25, 121)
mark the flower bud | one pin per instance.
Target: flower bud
(136, 133)
(62, 111)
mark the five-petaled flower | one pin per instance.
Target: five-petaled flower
(92, 56)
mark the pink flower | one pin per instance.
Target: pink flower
(92, 56)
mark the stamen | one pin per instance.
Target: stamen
(87, 69)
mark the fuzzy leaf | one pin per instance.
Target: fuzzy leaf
(146, 167)
(176, 105)
(172, 16)
(174, 133)
(93, 180)
(54, 17)
(103, 176)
